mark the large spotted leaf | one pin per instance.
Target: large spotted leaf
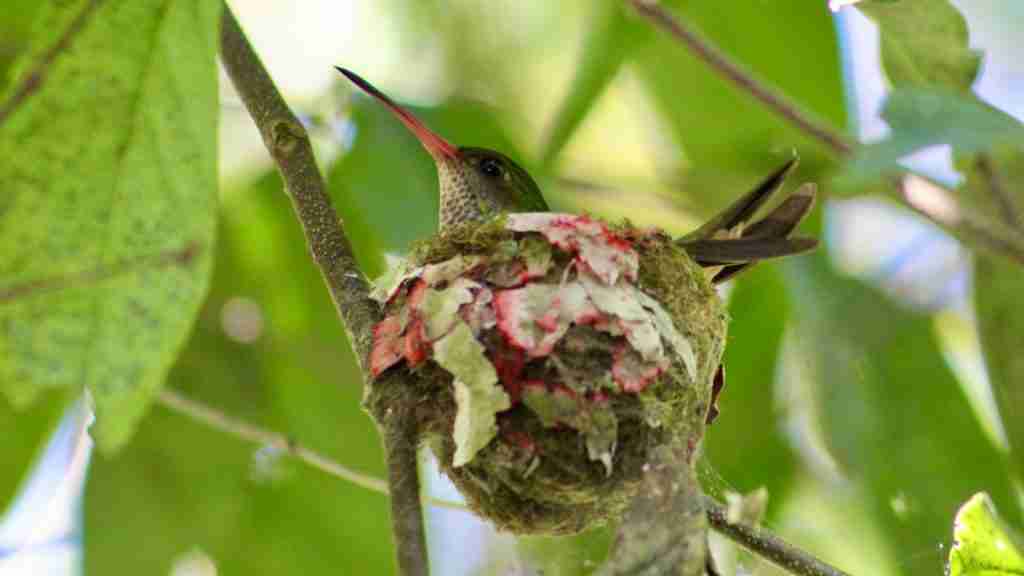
(108, 165)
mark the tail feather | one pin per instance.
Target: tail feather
(728, 244)
(744, 208)
(745, 250)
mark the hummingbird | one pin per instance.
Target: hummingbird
(476, 183)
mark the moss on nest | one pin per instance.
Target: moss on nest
(541, 479)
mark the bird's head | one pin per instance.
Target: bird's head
(474, 182)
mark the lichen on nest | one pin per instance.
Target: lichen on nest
(548, 354)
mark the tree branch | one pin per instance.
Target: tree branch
(289, 145)
(664, 531)
(767, 545)
(757, 540)
(720, 63)
(401, 439)
(939, 206)
(969, 228)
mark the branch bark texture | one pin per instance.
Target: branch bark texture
(664, 531)
(288, 143)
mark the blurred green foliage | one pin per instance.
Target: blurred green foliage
(267, 347)
(187, 487)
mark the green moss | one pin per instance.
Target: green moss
(532, 479)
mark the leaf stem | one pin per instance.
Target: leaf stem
(767, 545)
(720, 63)
(289, 145)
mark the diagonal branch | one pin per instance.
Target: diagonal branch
(289, 145)
(975, 231)
(766, 544)
(720, 63)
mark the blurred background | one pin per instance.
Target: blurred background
(856, 394)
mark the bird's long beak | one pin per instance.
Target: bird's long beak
(438, 147)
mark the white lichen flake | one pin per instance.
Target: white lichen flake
(551, 319)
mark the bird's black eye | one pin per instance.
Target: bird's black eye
(490, 167)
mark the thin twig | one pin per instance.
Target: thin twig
(970, 228)
(218, 420)
(767, 545)
(288, 143)
(721, 64)
(214, 418)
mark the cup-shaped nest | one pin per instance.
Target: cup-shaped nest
(548, 354)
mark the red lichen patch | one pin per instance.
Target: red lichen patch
(536, 316)
(416, 294)
(520, 440)
(416, 347)
(606, 254)
(387, 345)
(509, 364)
(631, 372)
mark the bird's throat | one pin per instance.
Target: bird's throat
(458, 200)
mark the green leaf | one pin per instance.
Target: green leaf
(612, 37)
(25, 434)
(892, 413)
(924, 43)
(477, 395)
(109, 169)
(15, 31)
(983, 544)
(998, 290)
(181, 487)
(730, 140)
(919, 118)
(758, 307)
